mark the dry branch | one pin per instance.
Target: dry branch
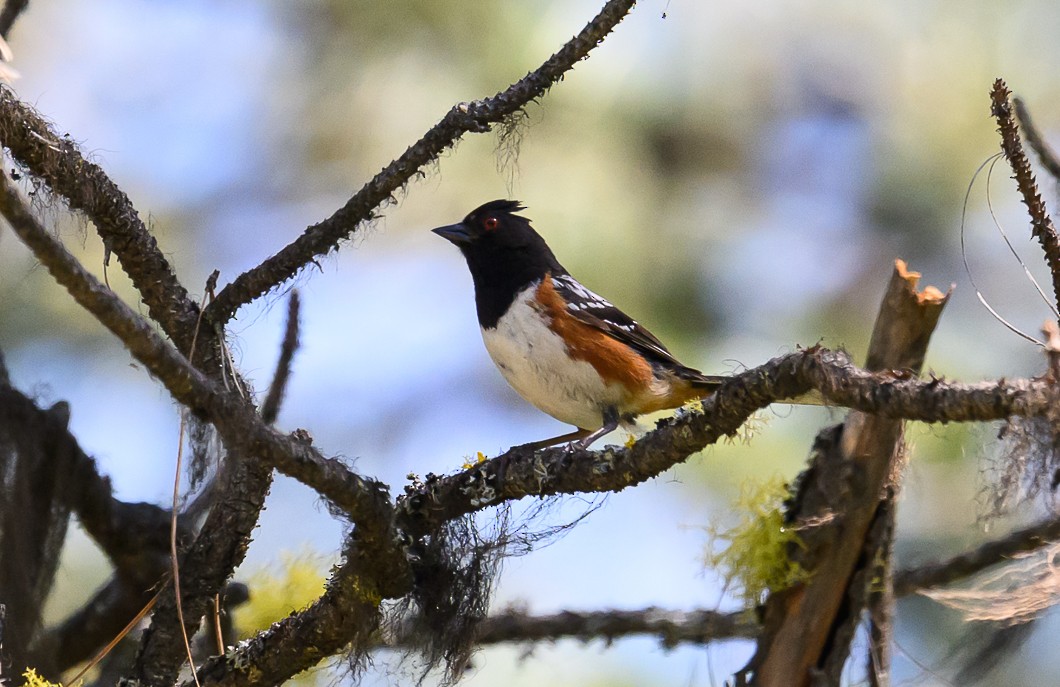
(807, 628)
(699, 626)
(207, 564)
(474, 117)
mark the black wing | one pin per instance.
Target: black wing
(598, 312)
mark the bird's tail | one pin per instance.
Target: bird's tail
(703, 385)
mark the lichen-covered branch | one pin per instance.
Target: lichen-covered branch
(474, 117)
(56, 160)
(236, 420)
(520, 472)
(207, 564)
(1042, 227)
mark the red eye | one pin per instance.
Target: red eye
(490, 223)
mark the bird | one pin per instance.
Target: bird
(563, 348)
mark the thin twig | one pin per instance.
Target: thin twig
(477, 116)
(1044, 151)
(106, 649)
(271, 407)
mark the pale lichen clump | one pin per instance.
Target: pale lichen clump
(757, 559)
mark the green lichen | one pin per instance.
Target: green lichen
(757, 558)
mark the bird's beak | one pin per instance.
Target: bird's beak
(454, 233)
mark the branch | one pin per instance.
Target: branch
(807, 629)
(220, 546)
(477, 117)
(271, 407)
(672, 627)
(700, 626)
(236, 421)
(125, 532)
(81, 635)
(1042, 227)
(520, 472)
(971, 562)
(347, 613)
(1046, 154)
(58, 163)
(242, 429)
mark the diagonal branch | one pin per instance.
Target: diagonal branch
(1042, 227)
(474, 117)
(238, 423)
(56, 161)
(971, 562)
(520, 472)
(271, 407)
(347, 613)
(1046, 154)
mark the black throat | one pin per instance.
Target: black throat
(500, 275)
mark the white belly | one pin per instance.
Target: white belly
(535, 362)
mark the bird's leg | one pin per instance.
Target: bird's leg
(561, 439)
(580, 438)
(610, 424)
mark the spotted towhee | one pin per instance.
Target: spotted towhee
(562, 347)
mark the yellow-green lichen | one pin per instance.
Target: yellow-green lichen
(34, 680)
(479, 459)
(276, 593)
(756, 559)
